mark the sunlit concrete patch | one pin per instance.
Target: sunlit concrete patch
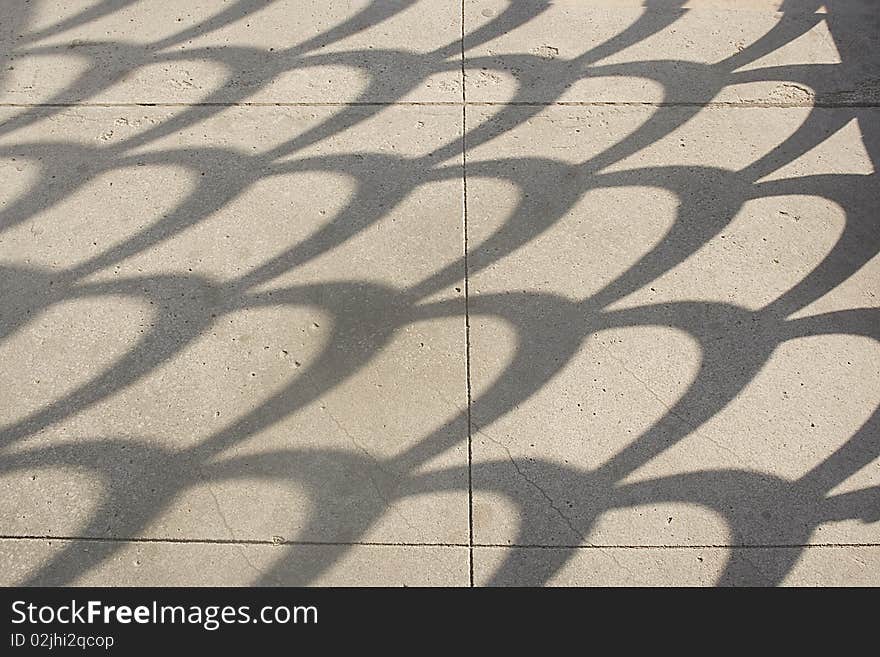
(703, 566)
(52, 350)
(274, 340)
(765, 250)
(289, 51)
(199, 564)
(254, 433)
(801, 418)
(100, 208)
(696, 52)
(636, 377)
(45, 496)
(24, 80)
(275, 308)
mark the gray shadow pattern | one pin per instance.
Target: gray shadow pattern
(549, 329)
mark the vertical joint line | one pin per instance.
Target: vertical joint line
(467, 320)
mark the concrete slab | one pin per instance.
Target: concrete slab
(289, 51)
(241, 338)
(704, 566)
(672, 52)
(229, 346)
(193, 564)
(637, 374)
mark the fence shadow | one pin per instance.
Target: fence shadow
(349, 492)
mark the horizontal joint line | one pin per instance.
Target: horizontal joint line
(711, 104)
(524, 546)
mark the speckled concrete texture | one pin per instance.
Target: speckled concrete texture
(448, 293)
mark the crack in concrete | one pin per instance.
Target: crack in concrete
(568, 521)
(614, 559)
(220, 513)
(389, 505)
(669, 409)
(552, 503)
(241, 548)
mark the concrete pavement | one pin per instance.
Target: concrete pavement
(452, 293)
